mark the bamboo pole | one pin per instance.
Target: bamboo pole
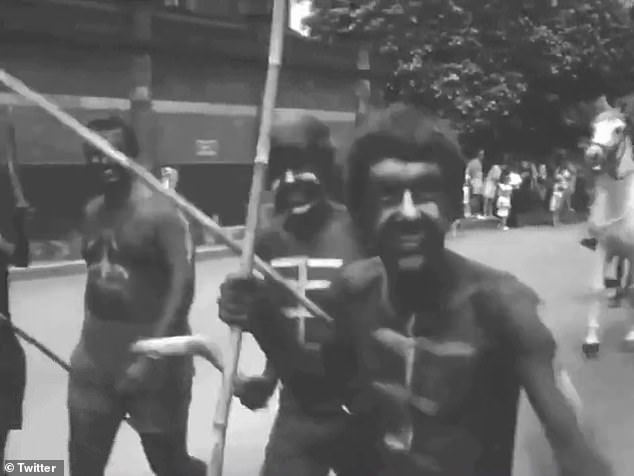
(11, 156)
(154, 184)
(223, 408)
(4, 320)
(141, 108)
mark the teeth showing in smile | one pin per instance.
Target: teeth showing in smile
(301, 209)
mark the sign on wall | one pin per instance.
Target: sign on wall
(206, 148)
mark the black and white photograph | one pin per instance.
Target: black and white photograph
(317, 237)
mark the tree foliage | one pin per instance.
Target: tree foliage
(487, 63)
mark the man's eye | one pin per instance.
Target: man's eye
(424, 196)
(391, 197)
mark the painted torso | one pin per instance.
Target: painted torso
(127, 278)
(473, 386)
(290, 336)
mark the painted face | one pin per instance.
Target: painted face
(408, 212)
(107, 171)
(297, 189)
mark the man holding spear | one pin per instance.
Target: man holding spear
(308, 240)
(434, 345)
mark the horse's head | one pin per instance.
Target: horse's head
(610, 148)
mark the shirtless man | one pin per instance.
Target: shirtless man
(12, 361)
(441, 344)
(140, 283)
(308, 239)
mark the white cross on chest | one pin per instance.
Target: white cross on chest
(303, 284)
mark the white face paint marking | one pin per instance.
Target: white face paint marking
(408, 208)
(107, 272)
(303, 284)
(302, 209)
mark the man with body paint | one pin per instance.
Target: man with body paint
(140, 284)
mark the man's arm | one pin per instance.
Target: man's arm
(535, 351)
(176, 243)
(339, 354)
(17, 254)
(21, 251)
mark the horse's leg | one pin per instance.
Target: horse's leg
(628, 342)
(591, 343)
(613, 280)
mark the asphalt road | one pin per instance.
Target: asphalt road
(548, 260)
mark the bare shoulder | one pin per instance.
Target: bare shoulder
(91, 212)
(358, 277)
(158, 208)
(499, 286)
(339, 207)
(93, 206)
(507, 305)
(340, 213)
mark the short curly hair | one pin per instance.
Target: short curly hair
(302, 137)
(409, 133)
(114, 123)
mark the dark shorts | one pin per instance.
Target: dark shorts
(12, 379)
(311, 445)
(161, 408)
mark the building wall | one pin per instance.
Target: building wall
(206, 125)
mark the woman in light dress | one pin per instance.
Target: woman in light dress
(504, 191)
(561, 192)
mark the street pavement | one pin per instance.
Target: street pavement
(549, 260)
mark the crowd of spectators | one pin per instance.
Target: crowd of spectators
(516, 187)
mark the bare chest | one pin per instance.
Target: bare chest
(435, 355)
(115, 239)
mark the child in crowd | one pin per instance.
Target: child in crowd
(505, 189)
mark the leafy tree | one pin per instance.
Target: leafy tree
(498, 65)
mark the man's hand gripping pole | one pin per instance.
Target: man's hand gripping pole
(11, 156)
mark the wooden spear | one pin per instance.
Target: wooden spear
(223, 408)
(11, 156)
(148, 179)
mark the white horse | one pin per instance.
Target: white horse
(611, 221)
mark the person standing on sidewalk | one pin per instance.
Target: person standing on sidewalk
(490, 189)
(475, 174)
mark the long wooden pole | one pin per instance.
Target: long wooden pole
(4, 320)
(141, 108)
(11, 156)
(223, 408)
(154, 184)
